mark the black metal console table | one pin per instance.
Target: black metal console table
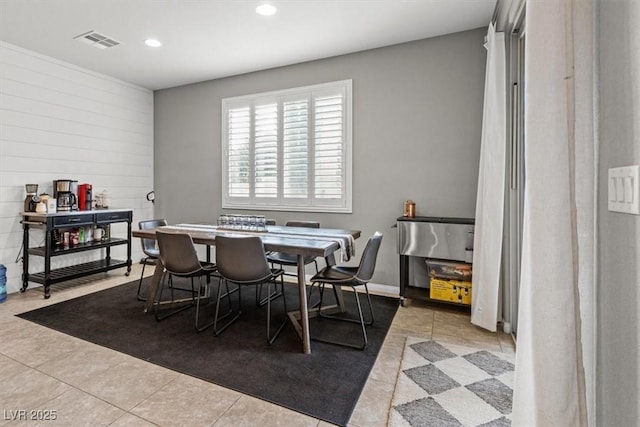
(58, 222)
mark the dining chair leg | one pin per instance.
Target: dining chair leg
(207, 294)
(198, 327)
(159, 301)
(171, 288)
(360, 320)
(217, 331)
(366, 289)
(364, 330)
(262, 301)
(272, 338)
(144, 264)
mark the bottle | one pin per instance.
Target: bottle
(3, 283)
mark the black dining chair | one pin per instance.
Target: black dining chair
(339, 276)
(286, 259)
(180, 259)
(242, 261)
(149, 247)
(283, 259)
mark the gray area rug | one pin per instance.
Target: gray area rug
(450, 385)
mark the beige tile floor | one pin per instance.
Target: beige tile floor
(42, 370)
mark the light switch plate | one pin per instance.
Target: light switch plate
(624, 189)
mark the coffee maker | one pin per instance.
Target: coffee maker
(32, 198)
(66, 192)
(85, 197)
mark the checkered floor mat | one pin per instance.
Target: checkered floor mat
(450, 385)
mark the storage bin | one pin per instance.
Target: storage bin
(449, 270)
(450, 290)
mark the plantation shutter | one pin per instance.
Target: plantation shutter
(266, 150)
(288, 150)
(329, 144)
(238, 152)
(295, 174)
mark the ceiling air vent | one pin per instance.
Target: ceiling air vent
(97, 40)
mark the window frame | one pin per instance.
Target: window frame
(310, 203)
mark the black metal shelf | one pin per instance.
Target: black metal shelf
(63, 250)
(78, 270)
(55, 222)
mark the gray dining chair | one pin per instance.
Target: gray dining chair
(180, 259)
(149, 248)
(339, 276)
(283, 259)
(242, 261)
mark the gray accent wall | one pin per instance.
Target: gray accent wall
(618, 335)
(417, 116)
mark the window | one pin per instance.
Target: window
(288, 150)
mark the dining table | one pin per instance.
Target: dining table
(299, 241)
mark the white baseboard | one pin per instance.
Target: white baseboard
(389, 290)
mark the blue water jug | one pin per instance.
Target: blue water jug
(3, 283)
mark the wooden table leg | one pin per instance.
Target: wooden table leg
(153, 287)
(304, 314)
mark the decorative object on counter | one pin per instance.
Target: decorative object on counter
(102, 200)
(105, 199)
(3, 283)
(52, 205)
(32, 199)
(41, 207)
(257, 223)
(44, 199)
(409, 209)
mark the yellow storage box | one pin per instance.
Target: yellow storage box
(450, 290)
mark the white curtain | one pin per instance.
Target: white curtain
(487, 247)
(558, 241)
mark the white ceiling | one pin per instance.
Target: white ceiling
(208, 39)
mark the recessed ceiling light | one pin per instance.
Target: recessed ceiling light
(152, 43)
(266, 9)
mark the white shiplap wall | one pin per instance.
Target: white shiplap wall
(60, 121)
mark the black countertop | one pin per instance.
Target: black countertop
(470, 221)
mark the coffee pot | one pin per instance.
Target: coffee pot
(66, 200)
